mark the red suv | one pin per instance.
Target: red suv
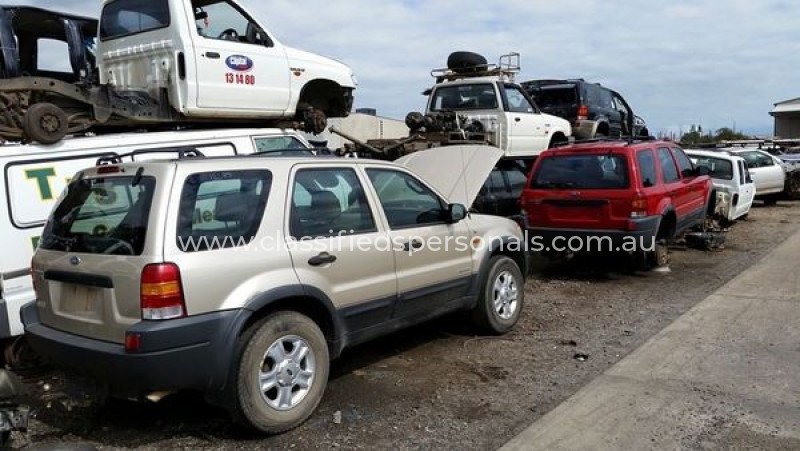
(628, 194)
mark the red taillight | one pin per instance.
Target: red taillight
(133, 342)
(161, 292)
(639, 206)
(583, 113)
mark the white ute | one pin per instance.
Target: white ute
(166, 62)
(732, 182)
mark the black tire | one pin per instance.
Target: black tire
(658, 257)
(45, 123)
(770, 200)
(466, 62)
(485, 314)
(248, 404)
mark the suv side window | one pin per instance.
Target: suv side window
(222, 209)
(406, 201)
(222, 20)
(684, 163)
(329, 202)
(647, 168)
(668, 170)
(517, 102)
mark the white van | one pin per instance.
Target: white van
(34, 176)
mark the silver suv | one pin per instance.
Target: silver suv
(243, 277)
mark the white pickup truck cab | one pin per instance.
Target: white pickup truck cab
(485, 99)
(213, 59)
(35, 175)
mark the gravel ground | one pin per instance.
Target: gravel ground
(439, 385)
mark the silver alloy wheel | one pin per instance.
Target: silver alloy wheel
(286, 372)
(505, 295)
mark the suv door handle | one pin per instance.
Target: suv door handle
(212, 55)
(517, 119)
(321, 259)
(412, 245)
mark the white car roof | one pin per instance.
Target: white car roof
(724, 155)
(149, 138)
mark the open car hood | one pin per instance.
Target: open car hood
(458, 172)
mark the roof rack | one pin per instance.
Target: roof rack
(183, 153)
(628, 139)
(506, 69)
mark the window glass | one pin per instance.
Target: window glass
(274, 143)
(126, 17)
(550, 96)
(517, 177)
(582, 172)
(480, 96)
(647, 168)
(101, 216)
(720, 168)
(756, 159)
(329, 202)
(517, 102)
(604, 98)
(222, 209)
(53, 56)
(221, 20)
(406, 201)
(684, 163)
(668, 170)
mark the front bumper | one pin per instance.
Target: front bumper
(188, 353)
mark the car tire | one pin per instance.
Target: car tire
(770, 200)
(45, 123)
(282, 370)
(501, 297)
(659, 256)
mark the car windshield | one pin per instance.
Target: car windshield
(720, 168)
(582, 172)
(104, 215)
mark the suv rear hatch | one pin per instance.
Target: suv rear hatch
(579, 190)
(100, 236)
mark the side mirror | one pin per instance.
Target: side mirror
(702, 170)
(456, 213)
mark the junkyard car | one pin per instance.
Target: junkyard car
(242, 277)
(732, 182)
(768, 173)
(644, 191)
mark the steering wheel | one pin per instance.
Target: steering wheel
(229, 34)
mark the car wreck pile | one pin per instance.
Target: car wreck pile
(123, 300)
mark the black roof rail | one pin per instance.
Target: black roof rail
(628, 139)
(183, 153)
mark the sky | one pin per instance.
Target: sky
(716, 63)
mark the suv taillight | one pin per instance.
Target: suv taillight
(639, 206)
(583, 113)
(161, 292)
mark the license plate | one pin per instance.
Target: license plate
(79, 298)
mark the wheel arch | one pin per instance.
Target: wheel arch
(306, 300)
(326, 95)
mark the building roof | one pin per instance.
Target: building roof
(787, 106)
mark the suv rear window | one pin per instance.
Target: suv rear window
(222, 209)
(127, 17)
(582, 172)
(101, 216)
(557, 95)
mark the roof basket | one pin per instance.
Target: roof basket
(506, 68)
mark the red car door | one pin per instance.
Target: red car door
(675, 189)
(694, 186)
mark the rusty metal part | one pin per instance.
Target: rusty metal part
(356, 141)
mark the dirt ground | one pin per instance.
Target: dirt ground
(439, 385)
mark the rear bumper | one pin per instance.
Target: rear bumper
(584, 129)
(641, 235)
(188, 353)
